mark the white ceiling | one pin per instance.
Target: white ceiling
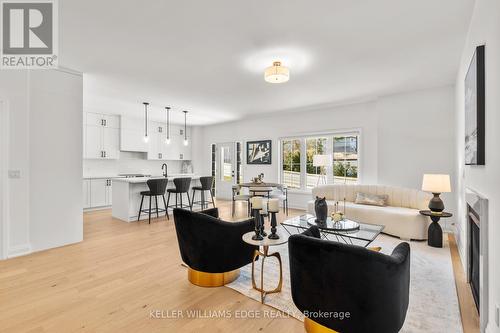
(209, 56)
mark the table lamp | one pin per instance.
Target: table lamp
(322, 161)
(436, 184)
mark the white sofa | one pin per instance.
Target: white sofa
(401, 217)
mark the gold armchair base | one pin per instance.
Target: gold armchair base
(313, 327)
(204, 279)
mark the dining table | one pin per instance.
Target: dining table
(262, 187)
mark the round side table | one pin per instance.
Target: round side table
(435, 233)
(264, 253)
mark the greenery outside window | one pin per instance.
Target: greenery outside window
(297, 169)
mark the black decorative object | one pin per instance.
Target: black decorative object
(262, 232)
(259, 152)
(258, 222)
(273, 234)
(436, 205)
(475, 110)
(435, 233)
(321, 209)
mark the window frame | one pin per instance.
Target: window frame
(329, 149)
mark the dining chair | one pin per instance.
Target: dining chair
(238, 196)
(282, 194)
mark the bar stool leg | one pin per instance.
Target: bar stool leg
(181, 199)
(202, 199)
(156, 201)
(192, 199)
(189, 201)
(166, 207)
(212, 196)
(140, 209)
(176, 200)
(149, 209)
(168, 202)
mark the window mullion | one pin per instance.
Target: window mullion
(303, 164)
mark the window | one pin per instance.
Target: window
(226, 162)
(345, 159)
(314, 146)
(298, 170)
(291, 175)
(239, 169)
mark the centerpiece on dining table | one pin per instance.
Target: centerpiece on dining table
(259, 179)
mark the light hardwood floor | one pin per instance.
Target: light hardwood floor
(112, 281)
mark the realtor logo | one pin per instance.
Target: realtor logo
(29, 34)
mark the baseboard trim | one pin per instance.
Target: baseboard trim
(19, 250)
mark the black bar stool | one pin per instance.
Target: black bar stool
(181, 187)
(157, 188)
(206, 185)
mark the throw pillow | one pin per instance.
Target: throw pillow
(371, 199)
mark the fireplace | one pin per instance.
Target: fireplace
(474, 239)
(477, 251)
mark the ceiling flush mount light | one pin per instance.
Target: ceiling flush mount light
(186, 142)
(146, 137)
(277, 73)
(167, 125)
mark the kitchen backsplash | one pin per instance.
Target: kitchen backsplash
(129, 162)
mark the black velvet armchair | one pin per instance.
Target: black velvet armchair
(212, 249)
(348, 288)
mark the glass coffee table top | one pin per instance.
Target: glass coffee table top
(362, 236)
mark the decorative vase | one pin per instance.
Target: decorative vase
(321, 209)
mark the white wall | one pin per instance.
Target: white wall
(45, 146)
(400, 134)
(14, 91)
(484, 29)
(416, 136)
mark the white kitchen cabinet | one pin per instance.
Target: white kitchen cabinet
(173, 149)
(86, 193)
(157, 147)
(101, 136)
(98, 189)
(97, 192)
(183, 152)
(132, 135)
(111, 143)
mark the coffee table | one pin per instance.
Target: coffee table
(265, 244)
(363, 235)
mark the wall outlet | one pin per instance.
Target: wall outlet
(14, 174)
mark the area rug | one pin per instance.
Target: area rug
(433, 305)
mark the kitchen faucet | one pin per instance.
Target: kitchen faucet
(165, 172)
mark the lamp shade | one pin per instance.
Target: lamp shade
(322, 160)
(436, 183)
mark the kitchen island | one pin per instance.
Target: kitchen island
(127, 198)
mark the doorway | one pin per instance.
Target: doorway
(227, 170)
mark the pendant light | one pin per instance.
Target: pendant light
(186, 142)
(167, 125)
(277, 73)
(146, 137)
